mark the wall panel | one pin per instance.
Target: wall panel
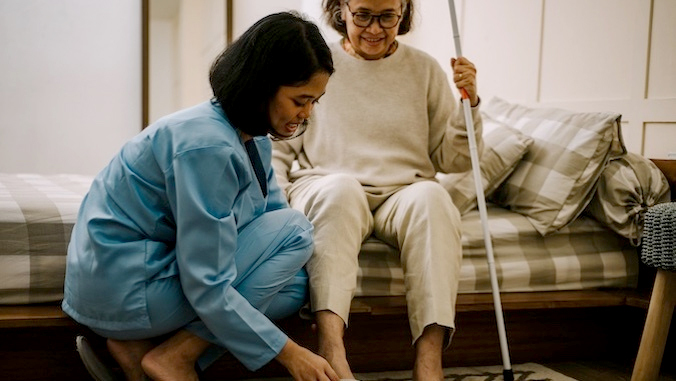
(601, 55)
(163, 78)
(586, 49)
(662, 74)
(503, 39)
(660, 140)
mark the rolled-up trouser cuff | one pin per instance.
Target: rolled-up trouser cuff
(332, 299)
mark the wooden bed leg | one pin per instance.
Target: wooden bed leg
(656, 329)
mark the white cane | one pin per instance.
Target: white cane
(508, 375)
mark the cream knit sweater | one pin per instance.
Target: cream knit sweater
(387, 123)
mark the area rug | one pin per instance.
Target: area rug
(522, 372)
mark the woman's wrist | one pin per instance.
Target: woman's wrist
(287, 353)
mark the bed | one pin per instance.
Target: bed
(584, 255)
(565, 255)
(38, 213)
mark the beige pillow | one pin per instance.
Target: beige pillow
(555, 180)
(503, 148)
(626, 189)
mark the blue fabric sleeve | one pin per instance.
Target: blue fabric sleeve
(207, 182)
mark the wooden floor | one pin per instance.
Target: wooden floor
(18, 359)
(606, 370)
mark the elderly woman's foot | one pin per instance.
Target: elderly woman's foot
(338, 362)
(330, 329)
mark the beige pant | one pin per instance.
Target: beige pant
(420, 219)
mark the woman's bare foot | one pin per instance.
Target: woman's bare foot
(338, 361)
(175, 358)
(128, 353)
(330, 328)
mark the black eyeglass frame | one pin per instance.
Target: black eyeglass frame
(372, 17)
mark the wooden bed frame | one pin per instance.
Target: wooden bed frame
(38, 341)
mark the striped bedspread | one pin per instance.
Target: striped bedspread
(37, 214)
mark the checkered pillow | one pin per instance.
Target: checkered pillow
(627, 188)
(503, 149)
(555, 180)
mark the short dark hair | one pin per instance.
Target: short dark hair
(281, 49)
(332, 15)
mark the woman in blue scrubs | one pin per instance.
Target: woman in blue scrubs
(186, 237)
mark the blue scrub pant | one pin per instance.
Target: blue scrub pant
(270, 275)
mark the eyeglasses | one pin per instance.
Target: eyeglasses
(364, 19)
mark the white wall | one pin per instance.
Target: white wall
(185, 37)
(70, 72)
(163, 58)
(70, 83)
(247, 12)
(602, 55)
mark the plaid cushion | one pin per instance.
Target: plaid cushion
(556, 178)
(503, 149)
(627, 188)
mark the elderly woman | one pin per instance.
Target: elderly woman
(387, 124)
(185, 242)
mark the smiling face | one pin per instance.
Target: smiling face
(292, 105)
(371, 42)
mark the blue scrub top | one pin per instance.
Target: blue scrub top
(172, 201)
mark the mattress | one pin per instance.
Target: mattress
(37, 213)
(583, 255)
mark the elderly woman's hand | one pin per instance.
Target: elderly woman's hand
(464, 76)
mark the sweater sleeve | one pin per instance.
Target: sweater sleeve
(448, 144)
(276, 196)
(284, 152)
(205, 251)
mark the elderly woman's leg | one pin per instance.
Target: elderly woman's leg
(338, 208)
(423, 222)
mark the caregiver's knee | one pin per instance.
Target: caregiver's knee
(294, 218)
(299, 233)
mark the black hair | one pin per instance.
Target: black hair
(332, 14)
(281, 49)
